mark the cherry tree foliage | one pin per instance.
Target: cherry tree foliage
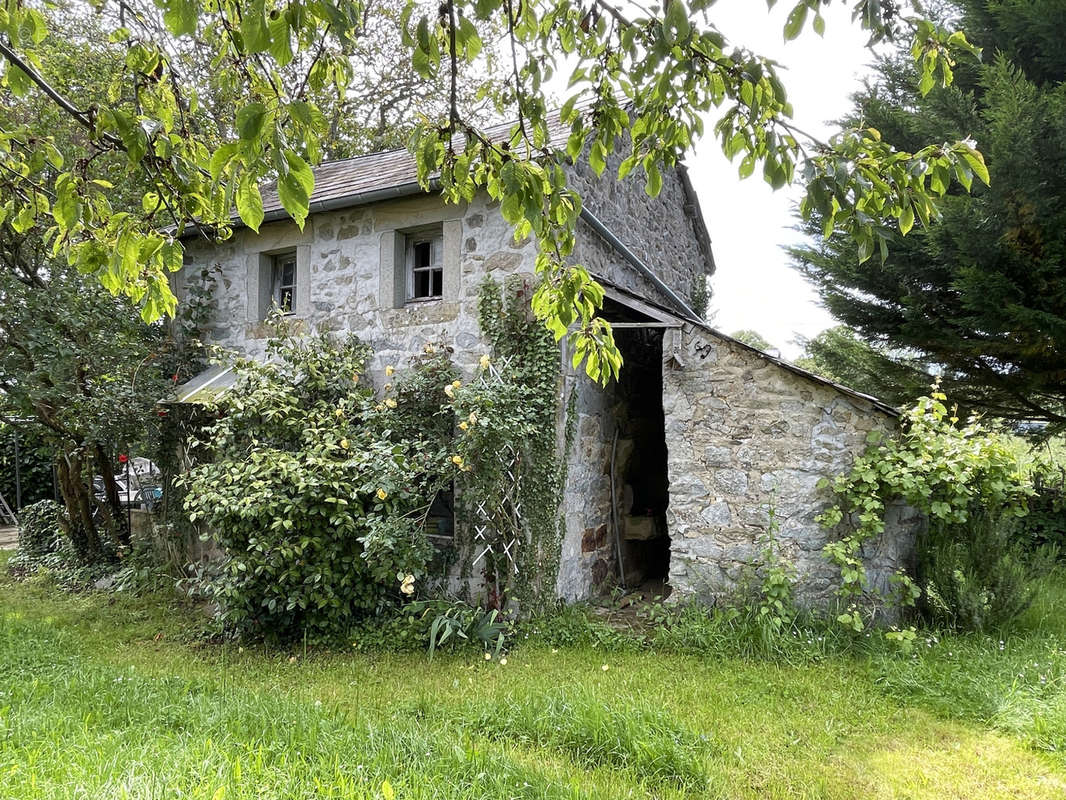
(642, 80)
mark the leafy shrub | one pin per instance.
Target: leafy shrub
(317, 491)
(977, 576)
(935, 465)
(40, 529)
(462, 623)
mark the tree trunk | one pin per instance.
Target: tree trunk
(114, 511)
(82, 530)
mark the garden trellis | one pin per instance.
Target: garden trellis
(499, 527)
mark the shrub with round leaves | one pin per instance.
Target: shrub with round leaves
(316, 490)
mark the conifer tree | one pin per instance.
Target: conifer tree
(979, 294)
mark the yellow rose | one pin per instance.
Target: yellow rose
(485, 361)
(463, 426)
(340, 412)
(449, 390)
(388, 387)
(472, 418)
(457, 384)
(344, 443)
(389, 369)
(457, 460)
(382, 494)
(390, 403)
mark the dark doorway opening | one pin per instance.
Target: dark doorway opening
(641, 478)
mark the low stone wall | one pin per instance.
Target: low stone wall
(745, 436)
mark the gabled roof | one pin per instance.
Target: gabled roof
(378, 176)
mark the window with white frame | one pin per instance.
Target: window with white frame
(283, 281)
(425, 267)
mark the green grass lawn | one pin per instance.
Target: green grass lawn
(110, 697)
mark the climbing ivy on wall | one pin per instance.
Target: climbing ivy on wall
(514, 468)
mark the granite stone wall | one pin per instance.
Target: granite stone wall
(345, 277)
(742, 432)
(661, 231)
(587, 560)
(744, 436)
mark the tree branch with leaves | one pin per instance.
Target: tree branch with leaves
(641, 83)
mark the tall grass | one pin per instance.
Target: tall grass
(630, 734)
(111, 697)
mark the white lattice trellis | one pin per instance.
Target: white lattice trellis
(498, 521)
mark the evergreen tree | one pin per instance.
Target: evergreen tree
(840, 355)
(981, 293)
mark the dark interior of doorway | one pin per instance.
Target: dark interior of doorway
(641, 475)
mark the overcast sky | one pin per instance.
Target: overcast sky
(749, 223)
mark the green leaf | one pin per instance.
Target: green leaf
(299, 169)
(906, 219)
(676, 25)
(977, 164)
(654, 184)
(181, 17)
(295, 188)
(250, 202)
(254, 29)
(795, 21)
(67, 207)
(250, 121)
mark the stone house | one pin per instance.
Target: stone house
(675, 470)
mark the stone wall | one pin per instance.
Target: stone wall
(587, 559)
(744, 436)
(348, 272)
(661, 231)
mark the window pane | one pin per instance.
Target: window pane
(288, 273)
(437, 282)
(285, 300)
(423, 254)
(422, 281)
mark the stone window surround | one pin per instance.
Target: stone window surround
(261, 249)
(433, 235)
(396, 223)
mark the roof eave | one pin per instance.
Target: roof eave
(336, 203)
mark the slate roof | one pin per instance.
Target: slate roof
(376, 176)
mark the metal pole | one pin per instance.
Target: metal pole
(18, 475)
(129, 505)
